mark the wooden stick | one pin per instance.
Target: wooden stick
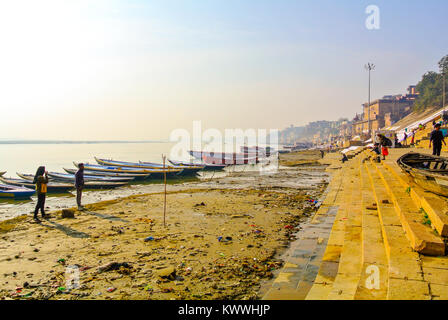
(164, 181)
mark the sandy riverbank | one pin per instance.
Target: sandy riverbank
(184, 260)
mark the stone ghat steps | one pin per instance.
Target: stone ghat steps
(352, 154)
(329, 266)
(379, 246)
(374, 277)
(349, 272)
(405, 277)
(434, 206)
(422, 237)
(370, 254)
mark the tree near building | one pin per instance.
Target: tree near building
(430, 88)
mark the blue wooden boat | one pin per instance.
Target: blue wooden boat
(15, 192)
(184, 170)
(52, 187)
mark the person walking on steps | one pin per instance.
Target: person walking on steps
(79, 185)
(41, 181)
(436, 140)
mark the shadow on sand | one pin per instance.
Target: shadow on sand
(67, 230)
(105, 216)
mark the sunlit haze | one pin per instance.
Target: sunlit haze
(136, 70)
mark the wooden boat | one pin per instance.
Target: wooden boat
(15, 192)
(136, 176)
(258, 151)
(52, 187)
(71, 177)
(87, 184)
(224, 158)
(203, 165)
(429, 172)
(2, 173)
(192, 170)
(153, 172)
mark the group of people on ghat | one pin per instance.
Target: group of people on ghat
(382, 143)
(41, 182)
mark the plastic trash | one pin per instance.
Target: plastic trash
(149, 239)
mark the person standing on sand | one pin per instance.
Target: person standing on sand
(41, 181)
(79, 185)
(436, 140)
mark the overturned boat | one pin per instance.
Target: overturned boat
(429, 172)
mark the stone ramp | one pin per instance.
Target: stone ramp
(305, 255)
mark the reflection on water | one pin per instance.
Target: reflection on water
(26, 158)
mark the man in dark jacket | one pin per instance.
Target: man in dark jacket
(41, 181)
(436, 140)
(79, 185)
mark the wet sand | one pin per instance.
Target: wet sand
(223, 238)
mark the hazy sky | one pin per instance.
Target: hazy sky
(139, 69)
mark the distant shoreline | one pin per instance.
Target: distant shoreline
(72, 142)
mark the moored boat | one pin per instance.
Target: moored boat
(136, 176)
(15, 192)
(225, 158)
(88, 184)
(2, 173)
(429, 172)
(71, 177)
(52, 187)
(203, 165)
(191, 170)
(153, 172)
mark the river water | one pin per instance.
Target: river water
(26, 158)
